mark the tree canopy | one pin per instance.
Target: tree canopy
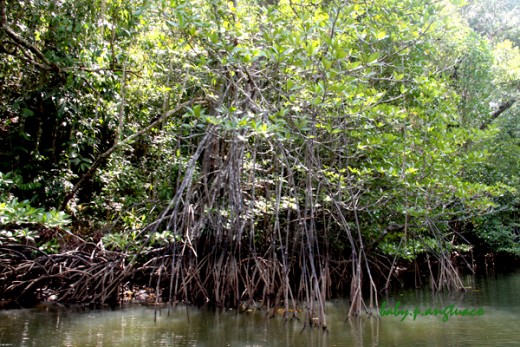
(292, 144)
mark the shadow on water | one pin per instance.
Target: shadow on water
(135, 326)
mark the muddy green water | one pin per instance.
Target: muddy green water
(498, 324)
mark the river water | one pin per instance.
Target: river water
(494, 303)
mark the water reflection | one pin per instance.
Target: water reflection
(189, 327)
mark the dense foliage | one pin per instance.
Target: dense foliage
(307, 139)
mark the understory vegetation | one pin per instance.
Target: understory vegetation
(257, 153)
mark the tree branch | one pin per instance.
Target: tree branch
(3, 15)
(90, 172)
(501, 109)
(21, 42)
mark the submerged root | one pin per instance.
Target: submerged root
(94, 277)
(87, 275)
